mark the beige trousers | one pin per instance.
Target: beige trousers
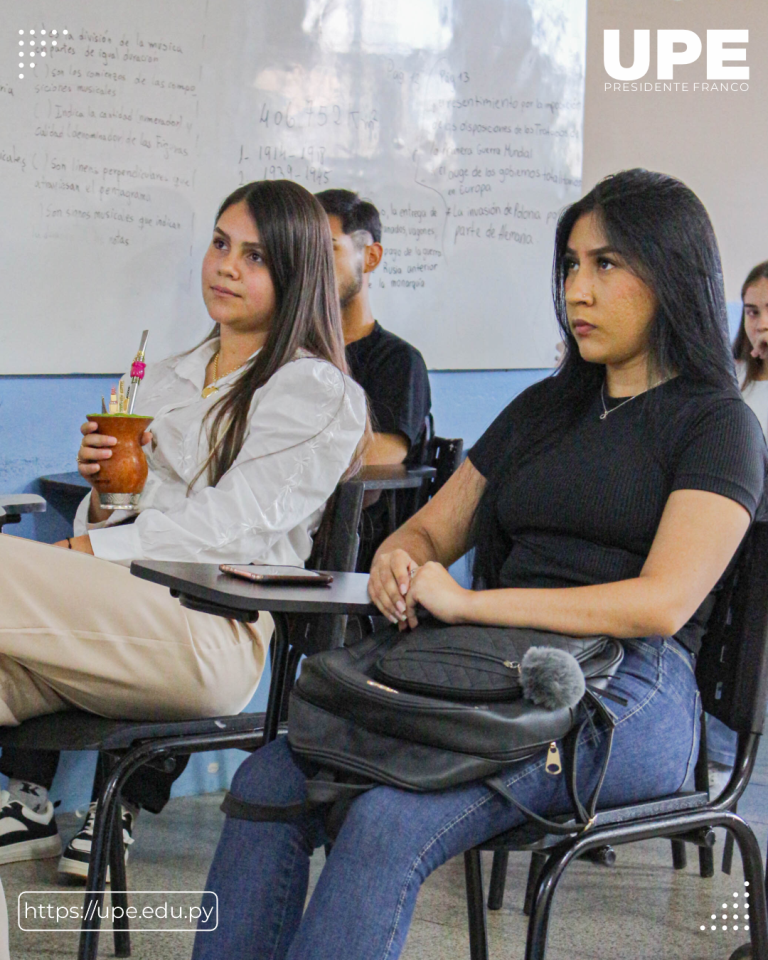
(79, 631)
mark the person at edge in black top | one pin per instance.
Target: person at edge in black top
(609, 498)
(390, 370)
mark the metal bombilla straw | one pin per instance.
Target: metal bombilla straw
(137, 372)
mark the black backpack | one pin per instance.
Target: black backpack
(436, 708)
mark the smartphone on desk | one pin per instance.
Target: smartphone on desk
(278, 575)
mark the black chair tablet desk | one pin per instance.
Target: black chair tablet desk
(740, 624)
(64, 491)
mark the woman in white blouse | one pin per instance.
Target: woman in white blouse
(252, 431)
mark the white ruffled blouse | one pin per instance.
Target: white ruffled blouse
(305, 424)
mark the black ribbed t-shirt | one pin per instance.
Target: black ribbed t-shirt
(586, 509)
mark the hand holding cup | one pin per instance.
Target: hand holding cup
(97, 446)
(111, 458)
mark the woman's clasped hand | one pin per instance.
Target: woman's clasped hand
(399, 586)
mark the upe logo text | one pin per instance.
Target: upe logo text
(677, 47)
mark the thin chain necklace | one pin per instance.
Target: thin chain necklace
(606, 411)
(212, 388)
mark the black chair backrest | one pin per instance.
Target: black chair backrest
(438, 452)
(442, 454)
(335, 548)
(445, 456)
(732, 667)
(336, 541)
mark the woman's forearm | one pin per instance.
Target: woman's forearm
(629, 608)
(697, 537)
(440, 530)
(414, 540)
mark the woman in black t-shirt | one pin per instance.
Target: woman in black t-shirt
(609, 498)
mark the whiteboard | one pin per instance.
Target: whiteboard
(460, 119)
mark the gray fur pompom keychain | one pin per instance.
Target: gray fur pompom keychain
(551, 677)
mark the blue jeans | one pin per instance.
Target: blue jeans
(721, 742)
(392, 840)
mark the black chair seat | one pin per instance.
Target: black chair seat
(533, 837)
(78, 730)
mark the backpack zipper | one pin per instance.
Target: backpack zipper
(511, 664)
(553, 765)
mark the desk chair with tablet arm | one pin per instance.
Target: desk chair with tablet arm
(127, 745)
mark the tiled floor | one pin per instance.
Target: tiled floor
(640, 909)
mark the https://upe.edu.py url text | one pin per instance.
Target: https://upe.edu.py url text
(164, 911)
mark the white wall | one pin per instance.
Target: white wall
(717, 143)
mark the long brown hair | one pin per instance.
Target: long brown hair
(298, 250)
(742, 348)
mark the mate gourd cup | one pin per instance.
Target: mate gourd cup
(122, 476)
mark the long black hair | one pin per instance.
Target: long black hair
(742, 348)
(662, 231)
(296, 238)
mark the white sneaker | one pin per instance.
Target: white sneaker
(24, 834)
(77, 856)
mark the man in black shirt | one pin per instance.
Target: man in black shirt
(390, 370)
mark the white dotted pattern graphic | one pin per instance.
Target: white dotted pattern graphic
(36, 43)
(742, 915)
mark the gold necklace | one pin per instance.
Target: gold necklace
(212, 388)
